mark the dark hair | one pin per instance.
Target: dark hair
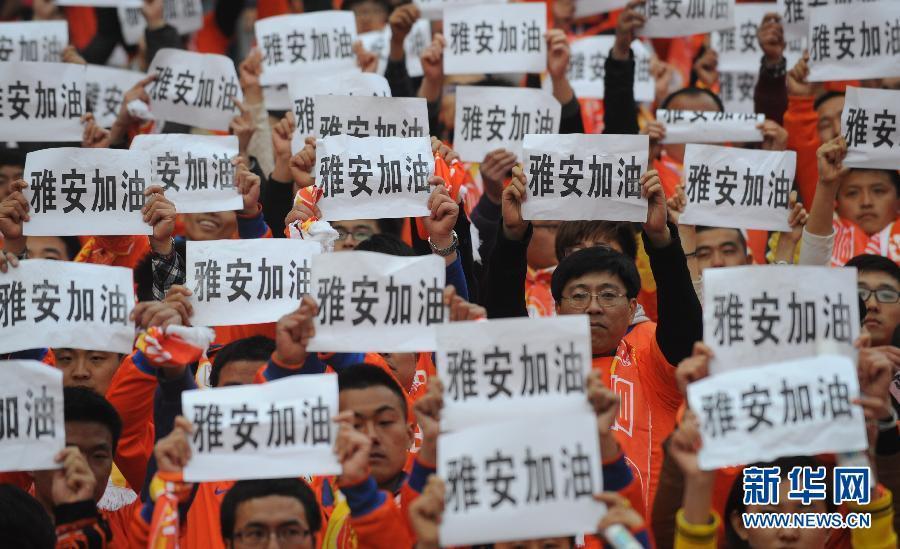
(392, 227)
(596, 260)
(735, 501)
(12, 157)
(893, 176)
(570, 233)
(84, 405)
(23, 521)
(244, 490)
(257, 348)
(870, 263)
(365, 376)
(385, 244)
(73, 246)
(825, 97)
(743, 241)
(692, 91)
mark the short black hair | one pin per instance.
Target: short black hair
(596, 260)
(364, 376)
(256, 348)
(390, 226)
(73, 246)
(692, 91)
(84, 405)
(570, 233)
(386, 244)
(244, 490)
(23, 521)
(825, 97)
(743, 241)
(871, 263)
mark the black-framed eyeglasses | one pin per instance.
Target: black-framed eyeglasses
(358, 235)
(582, 300)
(882, 295)
(292, 536)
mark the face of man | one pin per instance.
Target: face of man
(609, 319)
(720, 248)
(46, 247)
(91, 369)
(881, 318)
(563, 13)
(239, 372)
(370, 16)
(541, 250)
(210, 225)
(351, 233)
(96, 444)
(8, 174)
(783, 538)
(688, 103)
(829, 112)
(869, 199)
(378, 412)
(256, 518)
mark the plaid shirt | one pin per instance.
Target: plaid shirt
(167, 271)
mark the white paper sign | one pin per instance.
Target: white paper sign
(277, 98)
(385, 303)
(194, 88)
(195, 170)
(585, 177)
(282, 428)
(32, 423)
(737, 188)
(499, 478)
(798, 408)
(379, 43)
(736, 90)
(738, 47)
(41, 101)
(671, 18)
(710, 126)
(857, 41)
(47, 303)
(496, 39)
(101, 3)
(587, 67)
(304, 91)
(373, 177)
(247, 281)
(185, 15)
(75, 191)
(512, 368)
(106, 87)
(795, 14)
(583, 8)
(870, 128)
(318, 42)
(762, 314)
(434, 9)
(490, 118)
(371, 116)
(33, 41)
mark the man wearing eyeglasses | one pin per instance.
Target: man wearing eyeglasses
(878, 283)
(255, 511)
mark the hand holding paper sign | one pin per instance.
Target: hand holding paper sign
(302, 164)
(444, 212)
(433, 69)
(293, 332)
(281, 143)
(352, 449)
(248, 75)
(247, 184)
(771, 38)
(401, 21)
(13, 213)
(774, 136)
(428, 416)
(797, 83)
(494, 170)
(830, 158)
(606, 407)
(75, 481)
(514, 226)
(366, 60)
(159, 213)
(173, 452)
(94, 136)
(125, 120)
(242, 126)
(558, 54)
(694, 367)
(656, 131)
(655, 227)
(426, 513)
(460, 309)
(630, 22)
(684, 446)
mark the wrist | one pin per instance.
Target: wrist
(282, 171)
(396, 52)
(621, 52)
(659, 239)
(253, 95)
(15, 246)
(161, 246)
(291, 362)
(155, 24)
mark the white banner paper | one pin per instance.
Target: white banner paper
(738, 47)
(799, 408)
(857, 41)
(496, 39)
(521, 479)
(736, 90)
(870, 128)
(32, 425)
(185, 15)
(106, 86)
(434, 9)
(75, 191)
(379, 43)
(373, 177)
(101, 3)
(737, 188)
(33, 41)
(490, 118)
(385, 303)
(795, 14)
(710, 127)
(585, 177)
(587, 67)
(277, 98)
(282, 428)
(583, 8)
(47, 303)
(41, 101)
(195, 170)
(194, 88)
(318, 42)
(763, 314)
(247, 281)
(671, 18)
(368, 116)
(512, 368)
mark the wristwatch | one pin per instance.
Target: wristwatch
(444, 252)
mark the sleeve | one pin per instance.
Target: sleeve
(457, 278)
(801, 121)
(107, 37)
(260, 146)
(165, 37)
(667, 502)
(398, 79)
(375, 518)
(620, 108)
(680, 316)
(505, 276)
(415, 483)
(314, 364)
(881, 534)
(80, 526)
(486, 218)
(695, 536)
(770, 94)
(168, 270)
(253, 226)
(570, 120)
(815, 249)
(131, 394)
(277, 199)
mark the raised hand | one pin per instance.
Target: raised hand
(293, 332)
